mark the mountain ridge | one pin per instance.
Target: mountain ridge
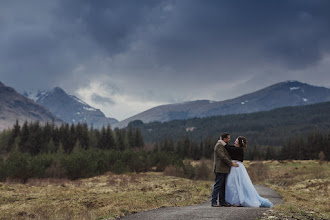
(70, 108)
(288, 93)
(14, 106)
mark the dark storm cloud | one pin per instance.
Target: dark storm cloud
(102, 100)
(49, 41)
(33, 53)
(163, 50)
(111, 24)
(292, 32)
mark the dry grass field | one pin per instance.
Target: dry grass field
(304, 186)
(104, 197)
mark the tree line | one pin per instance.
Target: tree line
(76, 151)
(315, 145)
(34, 138)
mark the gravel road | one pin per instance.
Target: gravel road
(205, 211)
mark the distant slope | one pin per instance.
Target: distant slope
(268, 128)
(290, 93)
(14, 106)
(167, 112)
(70, 108)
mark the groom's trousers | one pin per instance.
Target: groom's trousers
(219, 188)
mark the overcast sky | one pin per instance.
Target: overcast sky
(126, 56)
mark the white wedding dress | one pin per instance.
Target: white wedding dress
(240, 190)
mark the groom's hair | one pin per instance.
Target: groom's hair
(224, 135)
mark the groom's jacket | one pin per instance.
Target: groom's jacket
(222, 161)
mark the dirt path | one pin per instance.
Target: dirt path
(205, 211)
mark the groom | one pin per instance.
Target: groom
(221, 166)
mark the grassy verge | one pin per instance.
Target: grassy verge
(104, 197)
(304, 186)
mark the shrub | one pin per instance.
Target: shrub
(258, 171)
(80, 164)
(18, 166)
(119, 167)
(55, 170)
(202, 171)
(3, 173)
(38, 165)
(174, 171)
(136, 161)
(189, 171)
(160, 160)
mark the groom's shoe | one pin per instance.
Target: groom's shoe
(215, 205)
(226, 204)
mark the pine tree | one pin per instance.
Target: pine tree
(110, 140)
(3, 173)
(34, 144)
(72, 136)
(270, 154)
(15, 132)
(179, 149)
(5, 135)
(77, 147)
(47, 131)
(102, 140)
(84, 137)
(186, 146)
(138, 138)
(122, 140)
(92, 138)
(131, 138)
(51, 148)
(60, 150)
(65, 138)
(24, 138)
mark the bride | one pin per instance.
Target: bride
(239, 188)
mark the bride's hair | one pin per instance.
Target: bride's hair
(242, 141)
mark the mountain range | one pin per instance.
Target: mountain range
(14, 106)
(289, 93)
(69, 108)
(59, 106)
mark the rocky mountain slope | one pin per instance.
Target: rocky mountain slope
(69, 108)
(14, 106)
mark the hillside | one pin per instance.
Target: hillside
(289, 93)
(14, 106)
(273, 127)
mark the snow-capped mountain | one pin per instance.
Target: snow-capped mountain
(14, 106)
(289, 93)
(69, 108)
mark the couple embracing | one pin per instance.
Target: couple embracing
(233, 185)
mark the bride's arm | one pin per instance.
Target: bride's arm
(236, 153)
(232, 149)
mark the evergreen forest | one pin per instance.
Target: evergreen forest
(78, 151)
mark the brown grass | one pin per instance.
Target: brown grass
(104, 197)
(174, 171)
(304, 186)
(258, 171)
